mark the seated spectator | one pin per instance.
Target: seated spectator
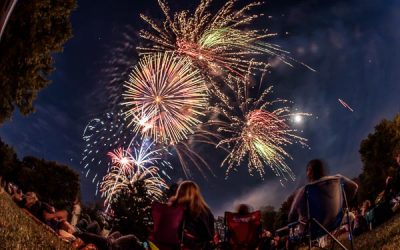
(365, 207)
(243, 228)
(76, 212)
(360, 223)
(46, 213)
(298, 212)
(315, 172)
(265, 240)
(86, 224)
(199, 221)
(113, 241)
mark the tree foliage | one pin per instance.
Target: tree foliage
(377, 156)
(36, 29)
(8, 160)
(282, 215)
(268, 216)
(54, 183)
(132, 210)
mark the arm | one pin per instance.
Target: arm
(298, 207)
(350, 187)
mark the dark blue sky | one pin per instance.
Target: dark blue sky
(353, 45)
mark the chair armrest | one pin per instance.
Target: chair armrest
(286, 230)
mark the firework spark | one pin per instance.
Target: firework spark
(165, 96)
(344, 104)
(257, 133)
(214, 42)
(129, 168)
(101, 135)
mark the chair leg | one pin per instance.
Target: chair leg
(331, 235)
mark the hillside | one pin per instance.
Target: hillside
(384, 237)
(18, 231)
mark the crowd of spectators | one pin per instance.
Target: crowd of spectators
(197, 231)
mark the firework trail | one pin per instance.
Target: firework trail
(344, 104)
(101, 135)
(128, 168)
(164, 98)
(257, 132)
(188, 151)
(214, 42)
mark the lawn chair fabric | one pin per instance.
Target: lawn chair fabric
(243, 230)
(167, 225)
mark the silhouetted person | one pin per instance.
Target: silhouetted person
(315, 172)
(198, 219)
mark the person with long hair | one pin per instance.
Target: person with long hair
(198, 226)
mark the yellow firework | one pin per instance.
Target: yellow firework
(214, 42)
(165, 96)
(115, 181)
(258, 133)
(129, 168)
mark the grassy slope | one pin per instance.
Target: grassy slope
(386, 237)
(18, 231)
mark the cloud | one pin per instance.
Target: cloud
(269, 193)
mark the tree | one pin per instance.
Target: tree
(8, 161)
(377, 156)
(268, 216)
(282, 215)
(36, 29)
(54, 183)
(132, 210)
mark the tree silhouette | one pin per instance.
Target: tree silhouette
(268, 216)
(132, 210)
(377, 156)
(36, 29)
(53, 182)
(281, 219)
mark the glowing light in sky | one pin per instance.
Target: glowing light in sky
(165, 96)
(298, 118)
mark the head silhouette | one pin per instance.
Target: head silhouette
(243, 209)
(315, 170)
(188, 194)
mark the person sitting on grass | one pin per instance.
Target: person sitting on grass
(199, 221)
(315, 172)
(56, 220)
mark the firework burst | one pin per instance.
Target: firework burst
(214, 42)
(129, 168)
(165, 96)
(100, 136)
(258, 133)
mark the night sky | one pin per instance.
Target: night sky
(353, 45)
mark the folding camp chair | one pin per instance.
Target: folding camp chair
(326, 206)
(168, 223)
(243, 231)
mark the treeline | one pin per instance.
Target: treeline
(376, 152)
(55, 183)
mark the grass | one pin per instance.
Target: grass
(384, 237)
(18, 231)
